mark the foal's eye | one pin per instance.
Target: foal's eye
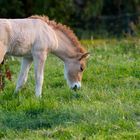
(81, 68)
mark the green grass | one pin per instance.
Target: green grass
(106, 108)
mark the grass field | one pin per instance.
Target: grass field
(106, 108)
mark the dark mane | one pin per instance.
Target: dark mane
(63, 28)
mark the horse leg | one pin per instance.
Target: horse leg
(39, 62)
(2, 51)
(2, 54)
(25, 66)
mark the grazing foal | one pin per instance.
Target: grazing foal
(33, 38)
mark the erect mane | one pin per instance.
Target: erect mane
(63, 28)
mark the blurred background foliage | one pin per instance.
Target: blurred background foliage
(88, 18)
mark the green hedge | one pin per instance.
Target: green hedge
(113, 16)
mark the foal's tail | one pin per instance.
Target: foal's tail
(2, 51)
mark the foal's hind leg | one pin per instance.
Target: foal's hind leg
(2, 51)
(25, 66)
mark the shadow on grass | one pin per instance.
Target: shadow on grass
(37, 118)
(37, 115)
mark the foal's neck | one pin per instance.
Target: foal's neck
(65, 49)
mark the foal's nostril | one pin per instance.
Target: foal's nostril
(75, 87)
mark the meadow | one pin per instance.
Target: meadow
(107, 107)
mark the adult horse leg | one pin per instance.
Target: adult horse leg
(25, 66)
(39, 62)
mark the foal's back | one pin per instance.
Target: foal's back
(19, 36)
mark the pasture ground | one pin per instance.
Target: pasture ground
(106, 108)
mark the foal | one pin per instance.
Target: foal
(33, 38)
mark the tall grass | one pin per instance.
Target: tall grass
(107, 106)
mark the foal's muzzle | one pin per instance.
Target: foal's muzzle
(76, 86)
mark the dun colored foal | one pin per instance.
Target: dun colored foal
(32, 39)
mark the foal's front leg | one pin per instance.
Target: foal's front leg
(25, 66)
(39, 62)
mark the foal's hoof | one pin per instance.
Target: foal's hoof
(38, 96)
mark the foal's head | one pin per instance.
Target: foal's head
(74, 68)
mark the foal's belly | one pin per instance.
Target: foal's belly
(19, 50)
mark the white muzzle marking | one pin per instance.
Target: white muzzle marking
(76, 85)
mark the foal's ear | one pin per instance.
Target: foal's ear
(84, 56)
